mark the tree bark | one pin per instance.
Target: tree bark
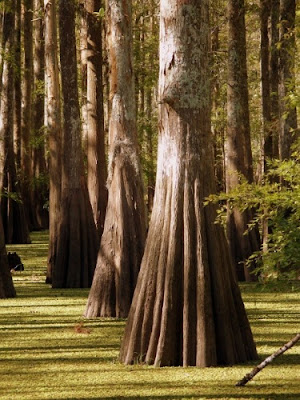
(288, 113)
(54, 129)
(12, 210)
(26, 166)
(122, 242)
(18, 89)
(187, 308)
(7, 289)
(40, 186)
(239, 155)
(77, 243)
(97, 172)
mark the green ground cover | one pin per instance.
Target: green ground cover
(48, 351)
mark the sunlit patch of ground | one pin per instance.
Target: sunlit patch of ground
(48, 351)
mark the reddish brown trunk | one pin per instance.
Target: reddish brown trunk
(122, 242)
(187, 308)
(77, 243)
(239, 155)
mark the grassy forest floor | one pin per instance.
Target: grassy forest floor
(48, 351)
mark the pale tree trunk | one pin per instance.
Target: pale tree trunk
(77, 242)
(54, 129)
(83, 69)
(40, 191)
(187, 307)
(18, 90)
(97, 173)
(239, 155)
(26, 167)
(7, 289)
(12, 210)
(288, 113)
(122, 242)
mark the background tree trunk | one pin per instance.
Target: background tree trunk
(18, 89)
(53, 128)
(239, 155)
(77, 243)
(13, 215)
(26, 145)
(7, 289)
(40, 186)
(288, 113)
(97, 172)
(187, 308)
(122, 242)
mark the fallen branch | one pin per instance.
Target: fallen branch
(268, 360)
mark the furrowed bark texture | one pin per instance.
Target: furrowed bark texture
(77, 243)
(239, 155)
(54, 129)
(123, 238)
(97, 172)
(7, 289)
(12, 209)
(288, 113)
(187, 308)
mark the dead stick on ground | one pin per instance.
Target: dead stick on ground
(268, 360)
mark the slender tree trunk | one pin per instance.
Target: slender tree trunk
(97, 173)
(18, 89)
(187, 308)
(26, 167)
(239, 155)
(7, 289)
(54, 129)
(77, 243)
(40, 190)
(274, 76)
(288, 113)
(122, 242)
(12, 210)
(83, 70)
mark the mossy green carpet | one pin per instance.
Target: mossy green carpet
(48, 351)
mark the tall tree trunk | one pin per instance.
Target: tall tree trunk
(288, 113)
(18, 89)
(187, 308)
(54, 129)
(239, 155)
(7, 289)
(40, 189)
(12, 210)
(77, 243)
(274, 76)
(83, 69)
(122, 242)
(26, 166)
(97, 173)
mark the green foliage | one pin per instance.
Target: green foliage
(277, 203)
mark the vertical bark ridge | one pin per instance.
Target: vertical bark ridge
(185, 303)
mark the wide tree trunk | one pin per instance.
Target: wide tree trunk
(187, 308)
(96, 161)
(54, 129)
(7, 289)
(288, 113)
(40, 186)
(12, 210)
(122, 242)
(77, 243)
(239, 155)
